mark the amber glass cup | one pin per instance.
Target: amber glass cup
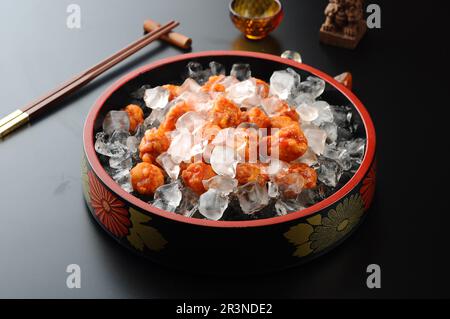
(256, 18)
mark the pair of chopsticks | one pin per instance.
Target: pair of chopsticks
(22, 116)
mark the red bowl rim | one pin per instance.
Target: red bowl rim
(88, 138)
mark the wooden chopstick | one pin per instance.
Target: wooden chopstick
(33, 110)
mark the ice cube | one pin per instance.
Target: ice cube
(112, 146)
(309, 158)
(271, 105)
(223, 161)
(191, 122)
(313, 86)
(121, 163)
(157, 98)
(290, 184)
(170, 167)
(325, 113)
(332, 131)
(329, 171)
(116, 121)
(286, 206)
(223, 184)
(189, 86)
(339, 154)
(292, 55)
(252, 197)
(213, 204)
(139, 93)
(197, 73)
(132, 144)
(242, 91)
(122, 177)
(217, 68)
(168, 197)
(307, 113)
(316, 139)
(241, 71)
(155, 118)
(189, 203)
(180, 147)
(355, 147)
(272, 190)
(283, 83)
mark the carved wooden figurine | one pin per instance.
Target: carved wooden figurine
(344, 24)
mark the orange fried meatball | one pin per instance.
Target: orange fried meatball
(213, 84)
(225, 113)
(136, 116)
(256, 116)
(146, 178)
(308, 173)
(173, 90)
(290, 141)
(195, 174)
(263, 88)
(247, 173)
(173, 115)
(282, 122)
(154, 143)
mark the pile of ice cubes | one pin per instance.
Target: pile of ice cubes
(335, 150)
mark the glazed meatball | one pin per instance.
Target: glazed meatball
(154, 143)
(146, 178)
(291, 143)
(213, 84)
(136, 116)
(225, 113)
(173, 90)
(247, 173)
(173, 115)
(256, 116)
(280, 122)
(195, 174)
(309, 174)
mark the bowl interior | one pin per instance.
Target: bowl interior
(255, 9)
(173, 71)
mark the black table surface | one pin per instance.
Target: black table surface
(45, 226)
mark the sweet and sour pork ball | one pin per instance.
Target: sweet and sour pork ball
(225, 113)
(146, 178)
(154, 143)
(194, 175)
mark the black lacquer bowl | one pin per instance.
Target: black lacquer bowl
(225, 246)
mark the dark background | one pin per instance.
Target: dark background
(44, 225)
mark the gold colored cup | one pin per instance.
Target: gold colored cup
(256, 18)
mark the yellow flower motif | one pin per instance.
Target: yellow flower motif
(320, 233)
(142, 235)
(338, 223)
(299, 236)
